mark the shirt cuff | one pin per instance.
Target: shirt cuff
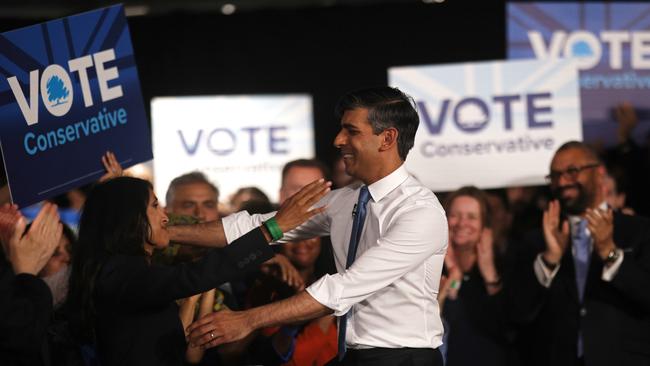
(544, 274)
(240, 223)
(327, 291)
(610, 271)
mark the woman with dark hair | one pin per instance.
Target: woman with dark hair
(471, 297)
(123, 303)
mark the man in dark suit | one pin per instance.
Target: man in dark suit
(582, 284)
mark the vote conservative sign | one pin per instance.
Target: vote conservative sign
(611, 43)
(236, 140)
(489, 124)
(69, 91)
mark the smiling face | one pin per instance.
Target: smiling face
(585, 189)
(465, 222)
(359, 146)
(158, 236)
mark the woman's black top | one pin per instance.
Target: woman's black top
(137, 321)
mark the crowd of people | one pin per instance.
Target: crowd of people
(375, 270)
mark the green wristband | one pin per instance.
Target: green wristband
(274, 229)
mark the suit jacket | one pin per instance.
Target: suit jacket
(614, 316)
(25, 310)
(137, 319)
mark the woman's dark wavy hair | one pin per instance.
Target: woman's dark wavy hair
(113, 222)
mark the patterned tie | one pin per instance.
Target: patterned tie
(581, 255)
(359, 214)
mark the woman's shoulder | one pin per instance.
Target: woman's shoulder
(118, 268)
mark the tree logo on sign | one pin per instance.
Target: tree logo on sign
(56, 91)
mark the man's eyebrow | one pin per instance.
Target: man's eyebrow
(348, 125)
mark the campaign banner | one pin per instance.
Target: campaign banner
(237, 141)
(69, 91)
(611, 42)
(490, 124)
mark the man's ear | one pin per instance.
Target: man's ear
(389, 138)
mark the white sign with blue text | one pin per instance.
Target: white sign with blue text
(237, 141)
(490, 124)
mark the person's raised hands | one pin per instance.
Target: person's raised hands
(556, 233)
(112, 166)
(28, 253)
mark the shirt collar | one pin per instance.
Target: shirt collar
(385, 185)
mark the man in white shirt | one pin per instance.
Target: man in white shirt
(386, 295)
(581, 287)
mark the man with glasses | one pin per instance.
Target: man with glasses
(582, 292)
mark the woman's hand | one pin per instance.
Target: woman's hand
(298, 208)
(112, 166)
(485, 257)
(556, 238)
(450, 284)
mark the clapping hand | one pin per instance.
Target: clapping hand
(601, 226)
(485, 256)
(9, 215)
(28, 253)
(556, 236)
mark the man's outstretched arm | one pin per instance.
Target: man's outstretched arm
(228, 326)
(296, 210)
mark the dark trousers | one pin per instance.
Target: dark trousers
(393, 357)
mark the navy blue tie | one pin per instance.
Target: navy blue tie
(359, 214)
(581, 241)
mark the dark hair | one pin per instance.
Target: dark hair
(590, 152)
(257, 207)
(114, 221)
(189, 178)
(478, 195)
(387, 107)
(255, 193)
(306, 163)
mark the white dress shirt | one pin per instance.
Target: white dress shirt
(391, 289)
(545, 275)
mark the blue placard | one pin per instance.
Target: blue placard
(69, 91)
(611, 43)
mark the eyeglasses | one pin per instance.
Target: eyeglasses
(570, 172)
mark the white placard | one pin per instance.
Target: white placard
(490, 124)
(236, 141)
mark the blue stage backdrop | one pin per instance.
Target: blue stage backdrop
(69, 91)
(610, 41)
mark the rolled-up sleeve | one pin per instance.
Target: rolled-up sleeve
(241, 222)
(413, 235)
